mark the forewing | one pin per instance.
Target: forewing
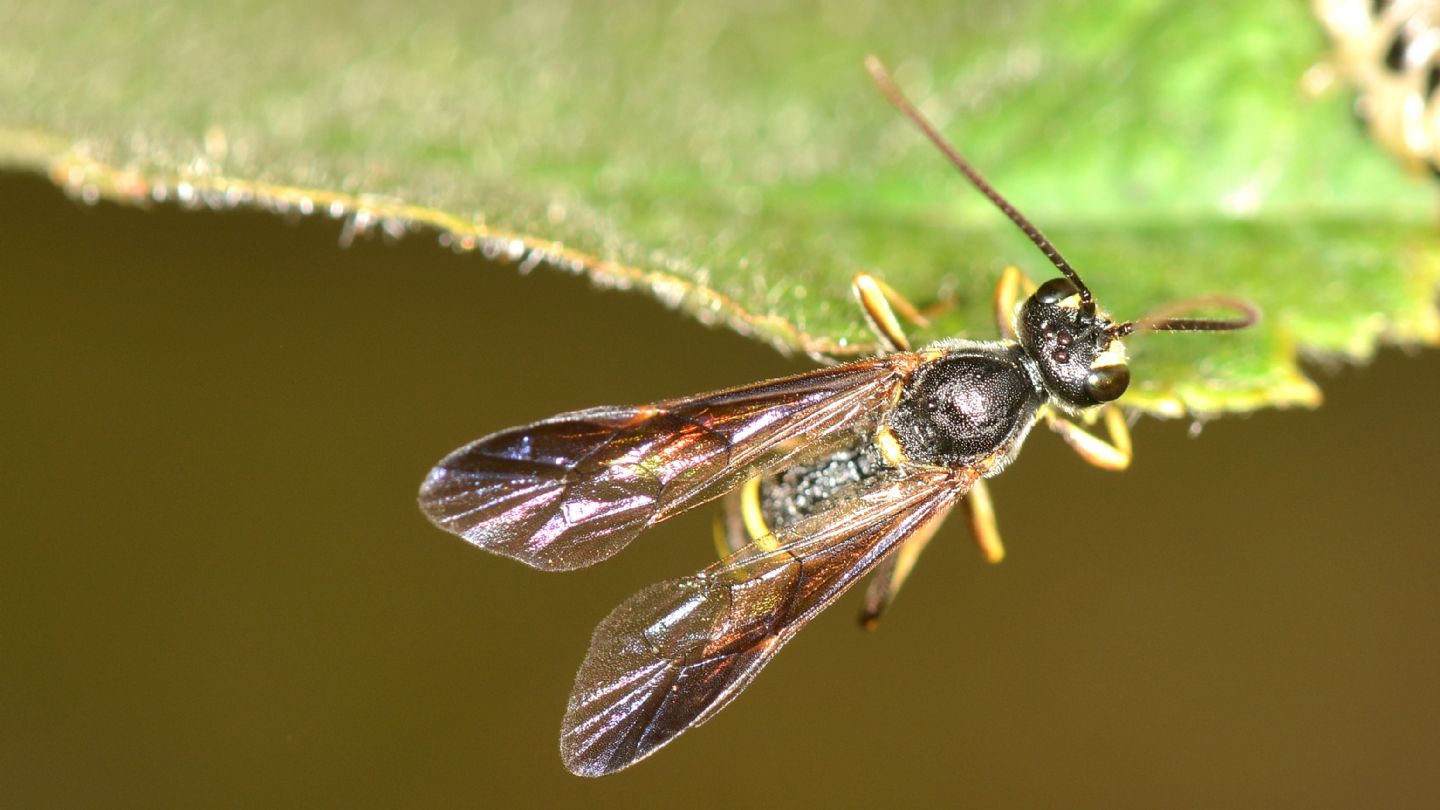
(677, 652)
(573, 490)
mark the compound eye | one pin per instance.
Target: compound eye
(1055, 290)
(1107, 383)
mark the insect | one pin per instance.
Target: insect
(826, 476)
(1390, 51)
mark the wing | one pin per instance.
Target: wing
(571, 491)
(677, 652)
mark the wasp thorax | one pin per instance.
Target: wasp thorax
(1081, 363)
(964, 408)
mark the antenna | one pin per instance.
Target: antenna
(897, 98)
(1160, 320)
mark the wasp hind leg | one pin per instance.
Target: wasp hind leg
(891, 574)
(741, 521)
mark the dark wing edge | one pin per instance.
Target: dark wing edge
(573, 490)
(674, 654)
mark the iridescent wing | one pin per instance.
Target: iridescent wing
(674, 654)
(573, 490)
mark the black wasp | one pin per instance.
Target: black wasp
(829, 475)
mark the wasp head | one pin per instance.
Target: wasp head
(1078, 349)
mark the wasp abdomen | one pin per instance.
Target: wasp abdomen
(967, 409)
(803, 490)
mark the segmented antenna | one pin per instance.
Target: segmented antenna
(897, 98)
(1161, 320)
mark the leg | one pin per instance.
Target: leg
(898, 302)
(892, 572)
(980, 513)
(740, 521)
(729, 526)
(879, 303)
(1007, 296)
(1114, 454)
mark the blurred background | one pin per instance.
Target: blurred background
(216, 589)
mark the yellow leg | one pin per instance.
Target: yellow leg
(892, 572)
(980, 512)
(740, 521)
(1013, 284)
(879, 303)
(729, 527)
(890, 575)
(1114, 454)
(900, 303)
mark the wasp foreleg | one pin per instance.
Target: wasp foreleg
(1114, 454)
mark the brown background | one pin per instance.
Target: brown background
(215, 588)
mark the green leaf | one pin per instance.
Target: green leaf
(733, 159)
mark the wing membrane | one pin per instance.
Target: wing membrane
(677, 652)
(571, 491)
